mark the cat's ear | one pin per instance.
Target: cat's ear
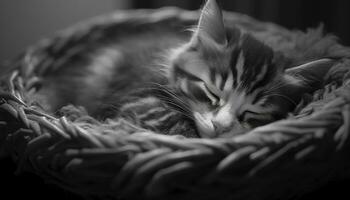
(211, 24)
(314, 72)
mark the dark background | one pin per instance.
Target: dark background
(293, 14)
(23, 23)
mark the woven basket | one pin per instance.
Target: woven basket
(280, 160)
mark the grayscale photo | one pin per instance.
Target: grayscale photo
(174, 99)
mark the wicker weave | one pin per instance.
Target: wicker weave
(282, 159)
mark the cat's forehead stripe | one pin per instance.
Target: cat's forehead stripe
(239, 67)
(218, 80)
(232, 67)
(224, 76)
(258, 76)
(229, 82)
(258, 95)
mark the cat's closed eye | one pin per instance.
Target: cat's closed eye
(244, 116)
(215, 98)
(255, 119)
(202, 93)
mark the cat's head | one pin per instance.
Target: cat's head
(227, 79)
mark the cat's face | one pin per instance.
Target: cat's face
(226, 78)
(229, 82)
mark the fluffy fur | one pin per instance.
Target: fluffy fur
(221, 80)
(229, 82)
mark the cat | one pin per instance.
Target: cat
(230, 82)
(221, 78)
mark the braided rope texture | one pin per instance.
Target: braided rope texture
(123, 161)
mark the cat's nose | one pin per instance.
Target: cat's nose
(222, 126)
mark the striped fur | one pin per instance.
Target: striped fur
(222, 81)
(152, 113)
(225, 77)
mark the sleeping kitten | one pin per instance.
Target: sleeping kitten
(229, 82)
(224, 80)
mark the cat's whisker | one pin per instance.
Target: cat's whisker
(168, 97)
(171, 98)
(181, 104)
(169, 92)
(180, 110)
(192, 28)
(183, 107)
(180, 101)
